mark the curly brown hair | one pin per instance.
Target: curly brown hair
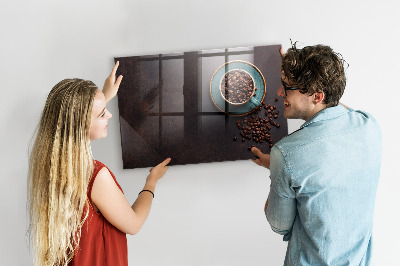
(316, 69)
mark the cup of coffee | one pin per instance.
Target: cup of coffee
(237, 87)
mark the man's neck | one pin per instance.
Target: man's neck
(318, 108)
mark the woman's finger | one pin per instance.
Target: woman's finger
(165, 162)
(118, 82)
(114, 71)
(282, 53)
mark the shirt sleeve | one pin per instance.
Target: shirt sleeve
(281, 210)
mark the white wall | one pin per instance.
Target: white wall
(206, 214)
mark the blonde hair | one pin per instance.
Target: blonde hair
(60, 167)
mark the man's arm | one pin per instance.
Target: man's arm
(280, 213)
(280, 208)
(281, 198)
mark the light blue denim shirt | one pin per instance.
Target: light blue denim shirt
(323, 183)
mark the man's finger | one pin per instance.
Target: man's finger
(257, 161)
(256, 151)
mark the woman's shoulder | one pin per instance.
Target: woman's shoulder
(102, 170)
(98, 164)
(97, 167)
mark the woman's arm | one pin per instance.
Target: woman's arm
(114, 206)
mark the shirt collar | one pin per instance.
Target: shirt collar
(326, 114)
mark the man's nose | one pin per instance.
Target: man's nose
(280, 91)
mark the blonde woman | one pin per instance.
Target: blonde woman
(78, 212)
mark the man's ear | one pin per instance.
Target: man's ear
(318, 97)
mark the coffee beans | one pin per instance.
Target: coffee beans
(257, 128)
(237, 86)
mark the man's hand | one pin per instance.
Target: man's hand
(111, 85)
(263, 159)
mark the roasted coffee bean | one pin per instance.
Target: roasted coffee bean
(276, 99)
(237, 86)
(258, 128)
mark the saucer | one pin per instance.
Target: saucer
(245, 108)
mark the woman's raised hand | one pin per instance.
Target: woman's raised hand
(111, 85)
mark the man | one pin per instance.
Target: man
(323, 176)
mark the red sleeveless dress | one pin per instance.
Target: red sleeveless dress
(101, 243)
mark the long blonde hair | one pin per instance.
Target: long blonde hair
(60, 167)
